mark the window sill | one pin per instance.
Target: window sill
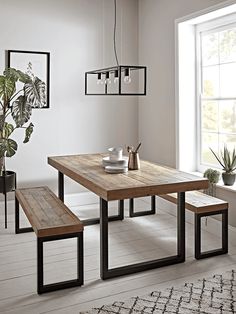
(220, 184)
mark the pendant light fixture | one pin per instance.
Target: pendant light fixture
(117, 80)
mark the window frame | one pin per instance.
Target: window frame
(218, 24)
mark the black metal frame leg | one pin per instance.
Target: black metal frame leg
(152, 211)
(224, 249)
(91, 221)
(5, 199)
(17, 220)
(79, 281)
(107, 273)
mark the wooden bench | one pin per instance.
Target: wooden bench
(50, 220)
(202, 205)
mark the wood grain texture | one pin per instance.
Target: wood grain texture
(150, 179)
(198, 202)
(46, 213)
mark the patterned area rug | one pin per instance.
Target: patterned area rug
(215, 295)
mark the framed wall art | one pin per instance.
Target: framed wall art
(37, 61)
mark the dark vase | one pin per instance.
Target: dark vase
(228, 178)
(7, 181)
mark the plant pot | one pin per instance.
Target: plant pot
(228, 178)
(7, 182)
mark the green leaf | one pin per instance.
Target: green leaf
(21, 111)
(7, 88)
(2, 119)
(8, 147)
(218, 159)
(227, 160)
(28, 132)
(7, 130)
(35, 93)
(16, 75)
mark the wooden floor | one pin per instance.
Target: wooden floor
(132, 240)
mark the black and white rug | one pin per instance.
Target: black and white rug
(215, 295)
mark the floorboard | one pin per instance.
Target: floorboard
(132, 240)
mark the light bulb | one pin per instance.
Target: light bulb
(116, 76)
(107, 80)
(127, 78)
(99, 80)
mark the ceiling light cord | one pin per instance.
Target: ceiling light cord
(114, 35)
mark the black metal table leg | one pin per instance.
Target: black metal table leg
(103, 238)
(90, 221)
(121, 210)
(181, 226)
(132, 213)
(107, 272)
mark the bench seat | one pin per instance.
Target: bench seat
(51, 220)
(202, 205)
(47, 214)
(198, 202)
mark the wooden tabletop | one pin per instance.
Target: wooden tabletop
(151, 179)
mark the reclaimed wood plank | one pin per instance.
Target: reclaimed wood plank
(46, 213)
(198, 202)
(150, 179)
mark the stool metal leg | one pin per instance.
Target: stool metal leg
(17, 220)
(144, 212)
(41, 287)
(224, 249)
(39, 265)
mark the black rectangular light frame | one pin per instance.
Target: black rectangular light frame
(120, 68)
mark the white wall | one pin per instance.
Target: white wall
(157, 50)
(78, 34)
(157, 129)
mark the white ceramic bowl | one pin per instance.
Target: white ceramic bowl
(106, 161)
(115, 153)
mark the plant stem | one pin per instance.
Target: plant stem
(13, 96)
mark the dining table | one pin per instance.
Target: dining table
(151, 179)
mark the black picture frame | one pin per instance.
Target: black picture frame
(16, 59)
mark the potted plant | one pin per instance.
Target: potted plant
(227, 160)
(15, 112)
(213, 177)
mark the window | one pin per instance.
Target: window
(216, 88)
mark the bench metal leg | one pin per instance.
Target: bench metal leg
(79, 281)
(145, 212)
(91, 221)
(224, 249)
(107, 272)
(17, 220)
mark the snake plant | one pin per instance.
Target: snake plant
(227, 159)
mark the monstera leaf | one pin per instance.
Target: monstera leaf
(7, 87)
(35, 93)
(2, 119)
(16, 75)
(28, 132)
(8, 128)
(21, 111)
(8, 147)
